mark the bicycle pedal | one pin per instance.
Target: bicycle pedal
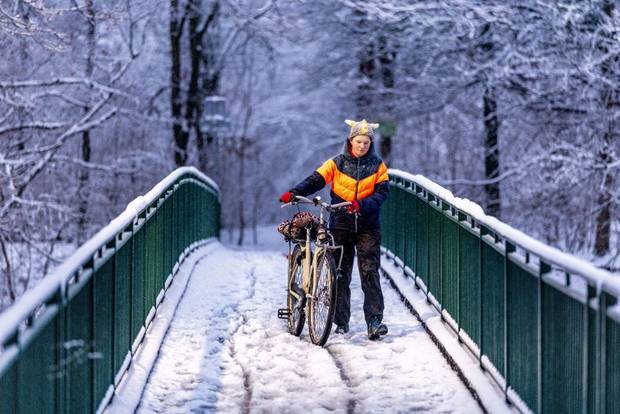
(283, 313)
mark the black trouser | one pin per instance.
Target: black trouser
(367, 243)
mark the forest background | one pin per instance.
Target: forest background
(513, 106)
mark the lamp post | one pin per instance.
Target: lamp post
(216, 126)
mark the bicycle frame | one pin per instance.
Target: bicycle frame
(313, 292)
(324, 241)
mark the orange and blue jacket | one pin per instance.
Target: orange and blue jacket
(364, 179)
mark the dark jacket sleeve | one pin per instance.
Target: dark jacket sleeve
(313, 183)
(372, 203)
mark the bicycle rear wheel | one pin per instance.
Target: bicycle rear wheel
(296, 298)
(323, 302)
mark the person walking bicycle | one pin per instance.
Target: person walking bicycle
(357, 175)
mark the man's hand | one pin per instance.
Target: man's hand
(354, 208)
(287, 197)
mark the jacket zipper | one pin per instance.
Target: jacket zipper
(357, 183)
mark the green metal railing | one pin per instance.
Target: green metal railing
(547, 322)
(66, 344)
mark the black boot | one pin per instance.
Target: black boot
(342, 329)
(376, 328)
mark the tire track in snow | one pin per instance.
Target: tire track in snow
(351, 402)
(249, 363)
(247, 383)
(344, 376)
(375, 372)
(279, 364)
(174, 312)
(247, 380)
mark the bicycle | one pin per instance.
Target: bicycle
(312, 276)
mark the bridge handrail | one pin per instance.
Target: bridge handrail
(50, 285)
(67, 343)
(543, 324)
(598, 277)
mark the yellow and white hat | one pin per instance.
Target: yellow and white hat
(361, 128)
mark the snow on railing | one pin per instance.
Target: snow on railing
(602, 279)
(514, 302)
(56, 282)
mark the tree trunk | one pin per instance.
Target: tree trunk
(491, 152)
(603, 219)
(195, 91)
(194, 95)
(210, 87)
(258, 193)
(83, 178)
(201, 146)
(83, 192)
(254, 228)
(180, 133)
(8, 271)
(366, 71)
(244, 142)
(605, 198)
(366, 67)
(241, 191)
(387, 59)
(373, 97)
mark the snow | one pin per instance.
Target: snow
(131, 384)
(226, 350)
(596, 277)
(614, 312)
(487, 391)
(48, 286)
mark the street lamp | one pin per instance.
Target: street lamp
(215, 124)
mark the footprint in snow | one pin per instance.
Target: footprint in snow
(399, 349)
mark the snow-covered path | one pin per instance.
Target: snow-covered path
(226, 351)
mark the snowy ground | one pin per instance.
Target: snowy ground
(227, 351)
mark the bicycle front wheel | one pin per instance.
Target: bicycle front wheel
(323, 301)
(296, 298)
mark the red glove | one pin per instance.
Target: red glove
(354, 208)
(287, 197)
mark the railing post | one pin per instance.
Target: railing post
(459, 320)
(602, 316)
(131, 283)
(113, 244)
(428, 244)
(483, 232)
(543, 269)
(61, 338)
(590, 293)
(405, 227)
(508, 248)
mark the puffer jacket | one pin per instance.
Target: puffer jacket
(364, 179)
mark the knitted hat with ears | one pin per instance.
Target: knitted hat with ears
(361, 128)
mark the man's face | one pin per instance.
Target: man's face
(360, 145)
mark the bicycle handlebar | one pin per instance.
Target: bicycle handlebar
(317, 202)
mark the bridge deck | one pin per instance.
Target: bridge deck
(225, 350)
